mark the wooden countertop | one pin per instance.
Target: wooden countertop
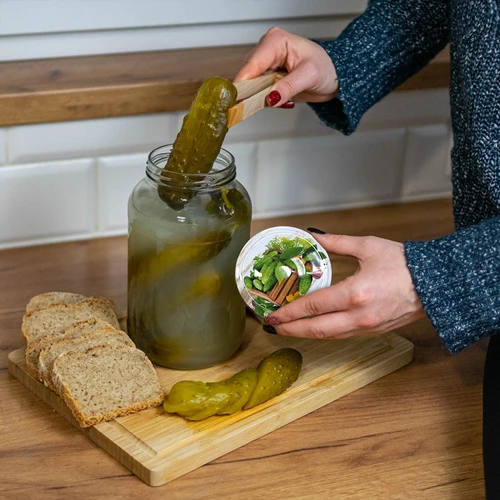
(415, 433)
(77, 88)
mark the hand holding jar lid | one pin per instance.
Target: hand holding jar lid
(279, 265)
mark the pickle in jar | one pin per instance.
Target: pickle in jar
(230, 203)
(198, 251)
(205, 285)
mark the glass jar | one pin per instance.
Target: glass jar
(184, 309)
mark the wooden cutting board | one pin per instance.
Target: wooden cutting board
(159, 447)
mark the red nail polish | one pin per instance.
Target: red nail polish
(288, 105)
(273, 98)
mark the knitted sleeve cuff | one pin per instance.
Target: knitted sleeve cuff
(457, 278)
(344, 112)
(377, 52)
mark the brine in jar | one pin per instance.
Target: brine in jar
(184, 309)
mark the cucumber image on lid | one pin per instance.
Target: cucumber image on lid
(279, 265)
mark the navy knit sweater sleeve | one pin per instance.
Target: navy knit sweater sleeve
(457, 277)
(378, 51)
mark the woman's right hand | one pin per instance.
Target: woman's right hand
(311, 73)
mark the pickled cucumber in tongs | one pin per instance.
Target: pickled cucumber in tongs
(204, 128)
(199, 141)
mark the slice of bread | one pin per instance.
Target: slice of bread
(51, 298)
(106, 382)
(59, 317)
(86, 326)
(104, 336)
(34, 348)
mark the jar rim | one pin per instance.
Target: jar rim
(222, 172)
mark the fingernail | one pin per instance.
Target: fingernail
(288, 105)
(314, 230)
(270, 329)
(272, 321)
(273, 98)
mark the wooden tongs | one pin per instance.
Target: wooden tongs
(252, 96)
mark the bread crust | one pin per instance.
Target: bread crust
(101, 337)
(77, 322)
(85, 421)
(90, 307)
(74, 405)
(34, 348)
(48, 299)
(33, 351)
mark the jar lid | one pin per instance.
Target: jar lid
(279, 265)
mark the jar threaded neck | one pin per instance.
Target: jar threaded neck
(223, 172)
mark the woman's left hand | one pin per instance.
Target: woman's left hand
(379, 297)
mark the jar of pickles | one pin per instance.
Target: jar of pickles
(185, 234)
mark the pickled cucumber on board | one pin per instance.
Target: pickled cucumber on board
(199, 141)
(199, 408)
(198, 250)
(196, 400)
(189, 398)
(242, 385)
(277, 373)
(187, 390)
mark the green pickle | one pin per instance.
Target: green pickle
(195, 400)
(229, 203)
(199, 140)
(277, 373)
(199, 250)
(200, 407)
(204, 285)
(242, 385)
(305, 283)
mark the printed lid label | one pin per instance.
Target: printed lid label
(279, 265)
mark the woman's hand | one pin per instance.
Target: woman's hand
(312, 76)
(379, 297)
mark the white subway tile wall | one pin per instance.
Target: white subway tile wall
(68, 181)
(47, 202)
(267, 123)
(245, 155)
(315, 173)
(55, 141)
(406, 109)
(32, 29)
(116, 177)
(150, 13)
